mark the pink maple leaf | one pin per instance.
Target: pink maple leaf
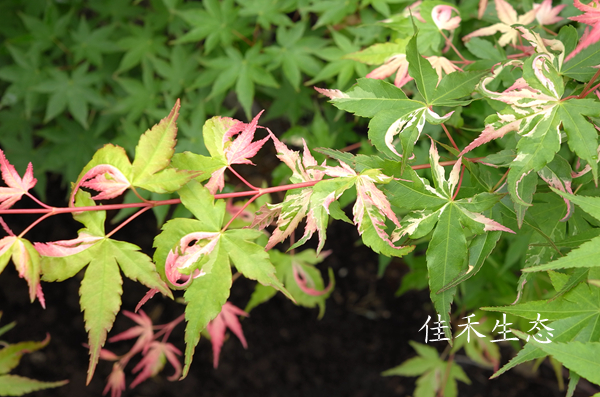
(106, 179)
(144, 332)
(17, 186)
(592, 18)
(216, 328)
(116, 381)
(66, 247)
(443, 19)
(546, 14)
(154, 361)
(237, 151)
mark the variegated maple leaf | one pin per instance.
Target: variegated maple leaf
(420, 222)
(235, 151)
(371, 208)
(508, 17)
(297, 201)
(534, 102)
(17, 186)
(217, 327)
(187, 255)
(27, 262)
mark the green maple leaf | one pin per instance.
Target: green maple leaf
(153, 154)
(210, 269)
(268, 12)
(24, 76)
(581, 66)
(581, 134)
(431, 369)
(380, 5)
(47, 31)
(74, 92)
(574, 316)
(244, 71)
(90, 45)
(581, 358)
(404, 24)
(142, 97)
(337, 65)
(67, 135)
(217, 24)
(179, 72)
(100, 291)
(10, 356)
(332, 11)
(584, 256)
(295, 53)
(142, 43)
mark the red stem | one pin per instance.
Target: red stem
(462, 172)
(241, 210)
(125, 222)
(586, 89)
(146, 205)
(466, 61)
(41, 218)
(241, 178)
(450, 137)
(31, 196)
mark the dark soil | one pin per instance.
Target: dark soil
(290, 352)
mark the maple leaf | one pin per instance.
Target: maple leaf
(17, 186)
(233, 151)
(443, 19)
(306, 283)
(297, 202)
(105, 258)
(508, 17)
(154, 361)
(206, 295)
(592, 18)
(440, 64)
(546, 14)
(396, 63)
(106, 179)
(116, 381)
(216, 328)
(144, 332)
(27, 262)
(186, 255)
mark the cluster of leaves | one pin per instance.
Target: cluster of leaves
(525, 103)
(10, 355)
(77, 75)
